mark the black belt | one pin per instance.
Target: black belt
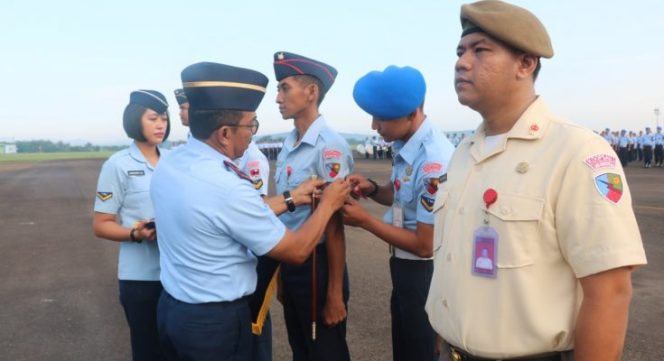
(460, 355)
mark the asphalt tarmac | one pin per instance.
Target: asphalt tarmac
(58, 284)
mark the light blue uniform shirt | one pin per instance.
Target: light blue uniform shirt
(254, 164)
(123, 189)
(648, 139)
(209, 221)
(321, 152)
(418, 164)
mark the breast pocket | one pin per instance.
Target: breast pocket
(138, 184)
(518, 225)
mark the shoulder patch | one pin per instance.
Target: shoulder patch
(432, 168)
(332, 154)
(599, 161)
(431, 184)
(610, 186)
(427, 202)
(104, 196)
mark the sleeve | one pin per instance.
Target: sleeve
(597, 229)
(250, 221)
(336, 162)
(258, 169)
(110, 189)
(426, 186)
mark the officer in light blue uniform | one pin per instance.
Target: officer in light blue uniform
(211, 221)
(312, 149)
(122, 210)
(648, 144)
(395, 99)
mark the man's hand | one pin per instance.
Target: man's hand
(303, 193)
(354, 214)
(334, 311)
(360, 186)
(336, 194)
(144, 233)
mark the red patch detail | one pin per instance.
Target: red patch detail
(432, 168)
(397, 184)
(432, 185)
(332, 154)
(534, 127)
(599, 161)
(289, 170)
(254, 164)
(254, 172)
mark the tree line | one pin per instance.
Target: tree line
(47, 146)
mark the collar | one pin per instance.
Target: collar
(531, 126)
(409, 150)
(310, 136)
(205, 150)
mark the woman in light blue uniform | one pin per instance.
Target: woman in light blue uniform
(123, 211)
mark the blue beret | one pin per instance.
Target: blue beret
(150, 99)
(393, 93)
(289, 64)
(213, 86)
(180, 96)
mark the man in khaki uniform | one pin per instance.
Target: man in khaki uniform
(544, 200)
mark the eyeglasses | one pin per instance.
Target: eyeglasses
(253, 126)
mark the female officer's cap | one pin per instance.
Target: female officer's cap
(150, 99)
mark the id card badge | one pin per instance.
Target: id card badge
(485, 252)
(397, 214)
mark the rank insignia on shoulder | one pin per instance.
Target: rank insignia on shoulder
(610, 186)
(427, 203)
(442, 179)
(104, 196)
(232, 167)
(258, 184)
(136, 173)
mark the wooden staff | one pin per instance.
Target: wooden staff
(314, 285)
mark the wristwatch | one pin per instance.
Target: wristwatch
(289, 201)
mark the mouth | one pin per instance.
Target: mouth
(460, 81)
(159, 135)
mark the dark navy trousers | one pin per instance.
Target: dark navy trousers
(215, 331)
(330, 344)
(413, 338)
(139, 300)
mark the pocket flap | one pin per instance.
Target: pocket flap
(510, 207)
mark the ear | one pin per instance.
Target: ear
(527, 65)
(312, 92)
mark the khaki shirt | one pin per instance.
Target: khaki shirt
(557, 220)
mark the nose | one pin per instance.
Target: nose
(279, 98)
(463, 62)
(374, 124)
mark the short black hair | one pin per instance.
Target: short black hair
(203, 123)
(131, 121)
(306, 80)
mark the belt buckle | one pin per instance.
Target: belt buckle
(454, 355)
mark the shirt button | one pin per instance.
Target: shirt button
(504, 210)
(449, 257)
(445, 303)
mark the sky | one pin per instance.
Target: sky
(68, 66)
